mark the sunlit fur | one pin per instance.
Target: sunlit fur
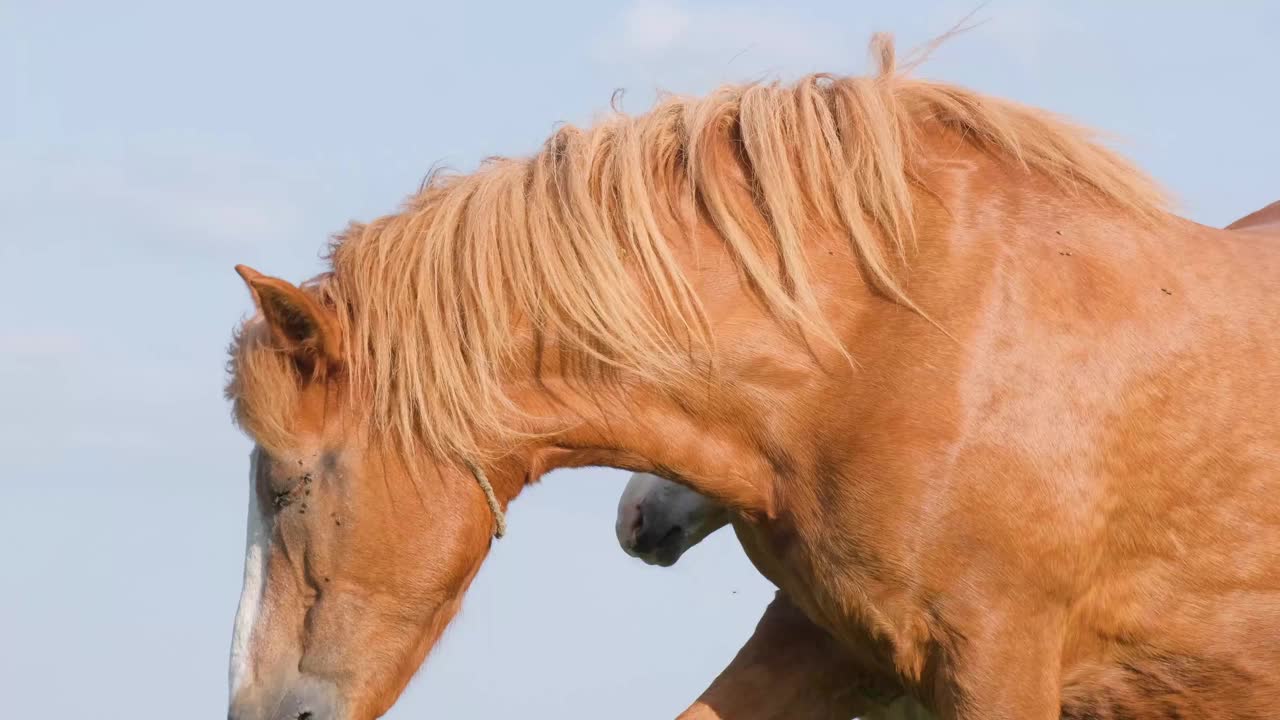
(806, 675)
(575, 242)
(992, 421)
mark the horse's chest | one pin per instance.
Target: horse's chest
(764, 552)
(785, 561)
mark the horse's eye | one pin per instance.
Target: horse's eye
(281, 498)
(285, 490)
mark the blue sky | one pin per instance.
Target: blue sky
(147, 147)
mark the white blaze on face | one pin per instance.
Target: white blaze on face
(257, 545)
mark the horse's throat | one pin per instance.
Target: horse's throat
(778, 555)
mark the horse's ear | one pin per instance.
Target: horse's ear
(296, 320)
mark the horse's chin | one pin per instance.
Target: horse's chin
(664, 555)
(664, 560)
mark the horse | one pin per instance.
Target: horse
(981, 406)
(658, 520)
(794, 660)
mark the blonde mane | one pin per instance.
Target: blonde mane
(579, 242)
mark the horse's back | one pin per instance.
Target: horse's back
(1265, 220)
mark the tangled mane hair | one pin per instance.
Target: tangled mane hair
(579, 243)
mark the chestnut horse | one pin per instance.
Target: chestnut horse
(790, 670)
(980, 406)
(658, 520)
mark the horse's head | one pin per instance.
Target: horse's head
(658, 520)
(354, 564)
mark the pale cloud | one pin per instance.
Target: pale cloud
(1029, 31)
(161, 195)
(39, 345)
(200, 203)
(715, 42)
(695, 46)
(653, 26)
(69, 394)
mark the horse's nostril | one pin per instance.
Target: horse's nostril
(637, 525)
(305, 715)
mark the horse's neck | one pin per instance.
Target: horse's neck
(779, 408)
(644, 431)
(777, 402)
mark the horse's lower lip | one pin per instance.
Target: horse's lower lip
(664, 551)
(668, 548)
(672, 535)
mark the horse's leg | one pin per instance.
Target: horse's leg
(790, 668)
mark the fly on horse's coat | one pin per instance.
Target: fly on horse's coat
(989, 415)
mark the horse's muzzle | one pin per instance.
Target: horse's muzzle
(307, 699)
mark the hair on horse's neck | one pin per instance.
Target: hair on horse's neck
(579, 242)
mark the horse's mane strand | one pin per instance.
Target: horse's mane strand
(579, 242)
